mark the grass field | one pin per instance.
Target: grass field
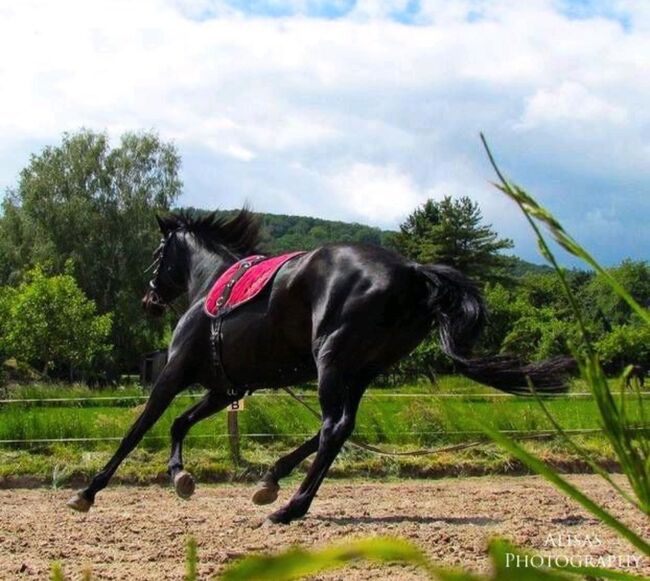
(411, 416)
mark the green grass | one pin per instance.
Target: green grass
(394, 422)
(60, 466)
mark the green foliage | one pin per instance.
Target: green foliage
(451, 232)
(426, 360)
(624, 345)
(506, 306)
(540, 334)
(282, 233)
(533, 318)
(603, 302)
(85, 202)
(49, 323)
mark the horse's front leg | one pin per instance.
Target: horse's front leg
(209, 405)
(170, 383)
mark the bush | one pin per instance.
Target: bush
(49, 323)
(625, 345)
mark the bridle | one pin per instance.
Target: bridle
(159, 253)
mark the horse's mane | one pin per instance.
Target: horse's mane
(240, 234)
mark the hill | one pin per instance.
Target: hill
(282, 233)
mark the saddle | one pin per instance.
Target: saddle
(242, 282)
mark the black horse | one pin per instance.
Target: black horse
(340, 314)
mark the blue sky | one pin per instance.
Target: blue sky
(354, 110)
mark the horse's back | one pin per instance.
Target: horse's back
(365, 296)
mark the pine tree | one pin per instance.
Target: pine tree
(451, 232)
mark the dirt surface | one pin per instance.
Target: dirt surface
(140, 533)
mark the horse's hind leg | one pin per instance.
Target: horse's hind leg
(169, 384)
(339, 403)
(267, 491)
(209, 405)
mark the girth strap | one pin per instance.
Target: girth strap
(216, 335)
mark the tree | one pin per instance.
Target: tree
(49, 323)
(625, 345)
(604, 304)
(94, 205)
(451, 232)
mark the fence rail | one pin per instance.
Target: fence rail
(233, 434)
(577, 395)
(270, 435)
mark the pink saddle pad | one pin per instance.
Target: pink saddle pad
(244, 280)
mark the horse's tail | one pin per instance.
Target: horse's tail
(458, 307)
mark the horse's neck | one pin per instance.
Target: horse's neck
(205, 269)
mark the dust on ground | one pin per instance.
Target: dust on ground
(139, 533)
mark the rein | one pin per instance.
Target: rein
(421, 452)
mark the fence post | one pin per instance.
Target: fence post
(233, 433)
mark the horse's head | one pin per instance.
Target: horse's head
(193, 250)
(170, 267)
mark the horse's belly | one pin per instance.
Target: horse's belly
(258, 350)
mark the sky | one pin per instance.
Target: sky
(354, 110)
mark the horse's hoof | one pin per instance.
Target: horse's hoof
(184, 484)
(79, 502)
(279, 517)
(266, 493)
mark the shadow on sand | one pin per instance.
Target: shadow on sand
(480, 521)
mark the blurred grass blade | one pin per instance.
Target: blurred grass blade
(531, 208)
(538, 466)
(296, 562)
(57, 573)
(578, 450)
(625, 435)
(191, 561)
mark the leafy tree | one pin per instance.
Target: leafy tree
(427, 360)
(87, 202)
(625, 345)
(49, 323)
(605, 305)
(506, 306)
(451, 232)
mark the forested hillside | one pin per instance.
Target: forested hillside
(284, 232)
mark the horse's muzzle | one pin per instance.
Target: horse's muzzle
(152, 304)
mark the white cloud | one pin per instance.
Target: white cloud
(361, 102)
(570, 103)
(382, 194)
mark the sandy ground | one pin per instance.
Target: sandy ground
(140, 533)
